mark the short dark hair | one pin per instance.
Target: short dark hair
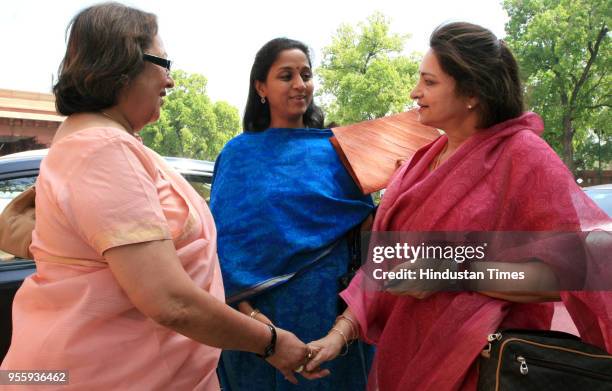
(256, 114)
(104, 52)
(482, 66)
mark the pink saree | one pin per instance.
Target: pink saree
(100, 188)
(505, 178)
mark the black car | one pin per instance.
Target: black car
(18, 172)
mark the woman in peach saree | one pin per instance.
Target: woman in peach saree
(128, 292)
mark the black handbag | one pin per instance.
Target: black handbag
(542, 360)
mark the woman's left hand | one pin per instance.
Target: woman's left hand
(316, 372)
(246, 308)
(417, 287)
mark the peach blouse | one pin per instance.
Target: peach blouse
(101, 188)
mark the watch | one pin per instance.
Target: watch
(269, 350)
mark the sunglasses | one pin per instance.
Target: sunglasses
(162, 62)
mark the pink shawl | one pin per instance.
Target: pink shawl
(505, 178)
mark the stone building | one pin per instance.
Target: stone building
(28, 120)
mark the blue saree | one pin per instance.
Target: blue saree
(283, 204)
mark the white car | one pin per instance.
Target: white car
(602, 195)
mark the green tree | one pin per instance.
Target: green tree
(594, 152)
(190, 125)
(563, 47)
(363, 74)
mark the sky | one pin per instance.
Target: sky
(219, 39)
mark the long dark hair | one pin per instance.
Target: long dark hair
(257, 114)
(482, 66)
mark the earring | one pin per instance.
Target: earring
(263, 100)
(469, 107)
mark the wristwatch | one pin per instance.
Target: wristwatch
(269, 350)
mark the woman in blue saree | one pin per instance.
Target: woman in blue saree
(284, 204)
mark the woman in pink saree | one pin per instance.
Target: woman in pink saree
(128, 292)
(490, 171)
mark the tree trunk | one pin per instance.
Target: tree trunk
(568, 146)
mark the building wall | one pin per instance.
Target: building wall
(28, 120)
(18, 135)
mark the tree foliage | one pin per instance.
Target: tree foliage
(563, 47)
(190, 125)
(595, 150)
(363, 74)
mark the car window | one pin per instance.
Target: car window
(201, 184)
(9, 189)
(603, 199)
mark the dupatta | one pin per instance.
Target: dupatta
(281, 200)
(505, 178)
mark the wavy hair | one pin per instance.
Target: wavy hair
(104, 53)
(482, 66)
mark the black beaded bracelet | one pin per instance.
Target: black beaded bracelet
(269, 350)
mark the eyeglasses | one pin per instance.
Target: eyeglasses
(162, 62)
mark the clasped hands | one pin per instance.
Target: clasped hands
(291, 355)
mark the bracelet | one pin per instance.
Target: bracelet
(354, 328)
(343, 337)
(338, 319)
(269, 350)
(254, 313)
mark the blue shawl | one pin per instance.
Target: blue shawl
(281, 200)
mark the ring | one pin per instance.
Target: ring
(310, 353)
(299, 369)
(254, 313)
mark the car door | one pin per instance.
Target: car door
(12, 270)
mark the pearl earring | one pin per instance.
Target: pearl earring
(469, 107)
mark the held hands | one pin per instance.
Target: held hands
(291, 354)
(328, 348)
(343, 331)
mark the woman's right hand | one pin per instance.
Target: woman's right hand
(291, 354)
(327, 348)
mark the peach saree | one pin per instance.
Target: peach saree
(100, 188)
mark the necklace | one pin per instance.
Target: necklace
(127, 128)
(438, 160)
